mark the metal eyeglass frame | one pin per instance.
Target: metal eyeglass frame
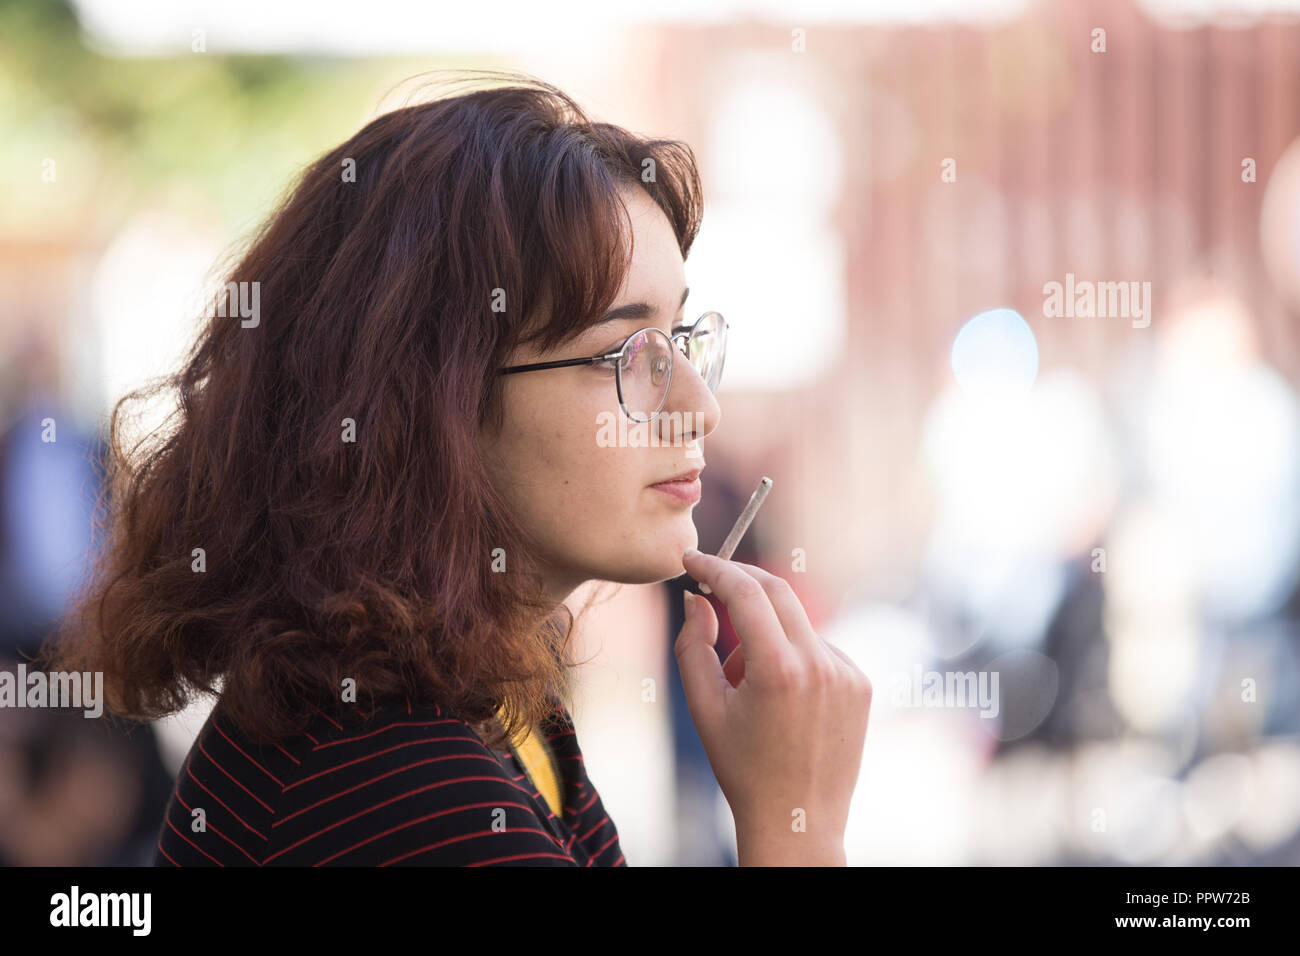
(684, 334)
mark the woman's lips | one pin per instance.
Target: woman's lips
(685, 491)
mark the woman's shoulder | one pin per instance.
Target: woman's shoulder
(347, 740)
(414, 785)
(404, 783)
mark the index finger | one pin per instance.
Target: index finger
(750, 609)
(789, 611)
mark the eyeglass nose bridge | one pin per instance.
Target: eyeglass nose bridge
(685, 336)
(688, 334)
(679, 342)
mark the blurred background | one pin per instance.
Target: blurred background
(1079, 501)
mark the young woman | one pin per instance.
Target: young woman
(395, 454)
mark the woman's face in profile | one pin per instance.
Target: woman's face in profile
(578, 479)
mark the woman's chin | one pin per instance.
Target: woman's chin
(666, 566)
(649, 559)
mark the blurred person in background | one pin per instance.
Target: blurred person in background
(73, 791)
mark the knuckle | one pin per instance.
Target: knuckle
(744, 586)
(824, 669)
(782, 585)
(854, 679)
(864, 686)
(769, 581)
(788, 674)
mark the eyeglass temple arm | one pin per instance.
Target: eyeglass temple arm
(538, 366)
(564, 363)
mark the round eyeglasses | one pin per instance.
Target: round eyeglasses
(643, 367)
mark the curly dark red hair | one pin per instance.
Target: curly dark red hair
(370, 559)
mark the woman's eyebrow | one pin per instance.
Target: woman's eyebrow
(638, 310)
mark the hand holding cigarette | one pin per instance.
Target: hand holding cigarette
(786, 727)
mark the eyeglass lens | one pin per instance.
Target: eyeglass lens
(644, 367)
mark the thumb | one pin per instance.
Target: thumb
(702, 676)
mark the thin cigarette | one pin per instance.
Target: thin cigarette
(738, 530)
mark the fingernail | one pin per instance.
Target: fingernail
(705, 588)
(688, 603)
(690, 551)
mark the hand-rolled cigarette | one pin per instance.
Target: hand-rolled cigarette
(742, 525)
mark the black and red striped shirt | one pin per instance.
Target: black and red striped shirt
(405, 786)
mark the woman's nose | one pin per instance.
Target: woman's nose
(691, 411)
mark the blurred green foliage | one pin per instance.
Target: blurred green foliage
(206, 134)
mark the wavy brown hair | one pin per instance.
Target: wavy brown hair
(369, 559)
